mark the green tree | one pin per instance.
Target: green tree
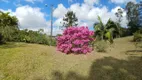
(119, 15)
(132, 16)
(70, 19)
(106, 32)
(8, 24)
(122, 30)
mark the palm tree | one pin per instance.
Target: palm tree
(106, 32)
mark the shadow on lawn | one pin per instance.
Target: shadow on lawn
(108, 69)
(12, 45)
(135, 51)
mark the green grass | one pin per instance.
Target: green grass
(108, 69)
(19, 61)
(22, 61)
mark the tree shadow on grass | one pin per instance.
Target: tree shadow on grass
(12, 45)
(108, 69)
(135, 51)
(113, 69)
(70, 76)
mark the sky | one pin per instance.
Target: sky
(34, 15)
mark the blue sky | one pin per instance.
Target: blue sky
(33, 14)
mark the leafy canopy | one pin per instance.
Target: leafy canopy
(70, 19)
(106, 32)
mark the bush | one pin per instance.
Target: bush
(30, 36)
(52, 41)
(75, 40)
(137, 36)
(100, 46)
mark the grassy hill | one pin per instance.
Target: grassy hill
(22, 61)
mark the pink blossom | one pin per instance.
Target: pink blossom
(76, 40)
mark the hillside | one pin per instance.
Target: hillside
(22, 61)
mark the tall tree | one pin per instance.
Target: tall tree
(132, 16)
(119, 15)
(70, 19)
(122, 30)
(140, 14)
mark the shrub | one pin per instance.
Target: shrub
(30, 36)
(100, 46)
(52, 41)
(75, 40)
(137, 36)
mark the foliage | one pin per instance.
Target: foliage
(7, 20)
(30, 36)
(9, 31)
(8, 25)
(132, 16)
(122, 31)
(133, 27)
(132, 12)
(137, 36)
(75, 40)
(100, 46)
(140, 13)
(70, 19)
(59, 35)
(119, 15)
(52, 41)
(106, 32)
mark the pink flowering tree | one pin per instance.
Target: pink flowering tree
(75, 40)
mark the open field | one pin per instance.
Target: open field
(22, 61)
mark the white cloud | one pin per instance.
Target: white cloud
(59, 11)
(17, 5)
(58, 22)
(124, 18)
(122, 1)
(32, 18)
(80, 11)
(102, 12)
(32, 1)
(57, 30)
(88, 15)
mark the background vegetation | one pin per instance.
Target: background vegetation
(9, 31)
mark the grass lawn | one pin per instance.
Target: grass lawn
(22, 61)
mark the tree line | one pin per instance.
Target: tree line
(9, 30)
(113, 29)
